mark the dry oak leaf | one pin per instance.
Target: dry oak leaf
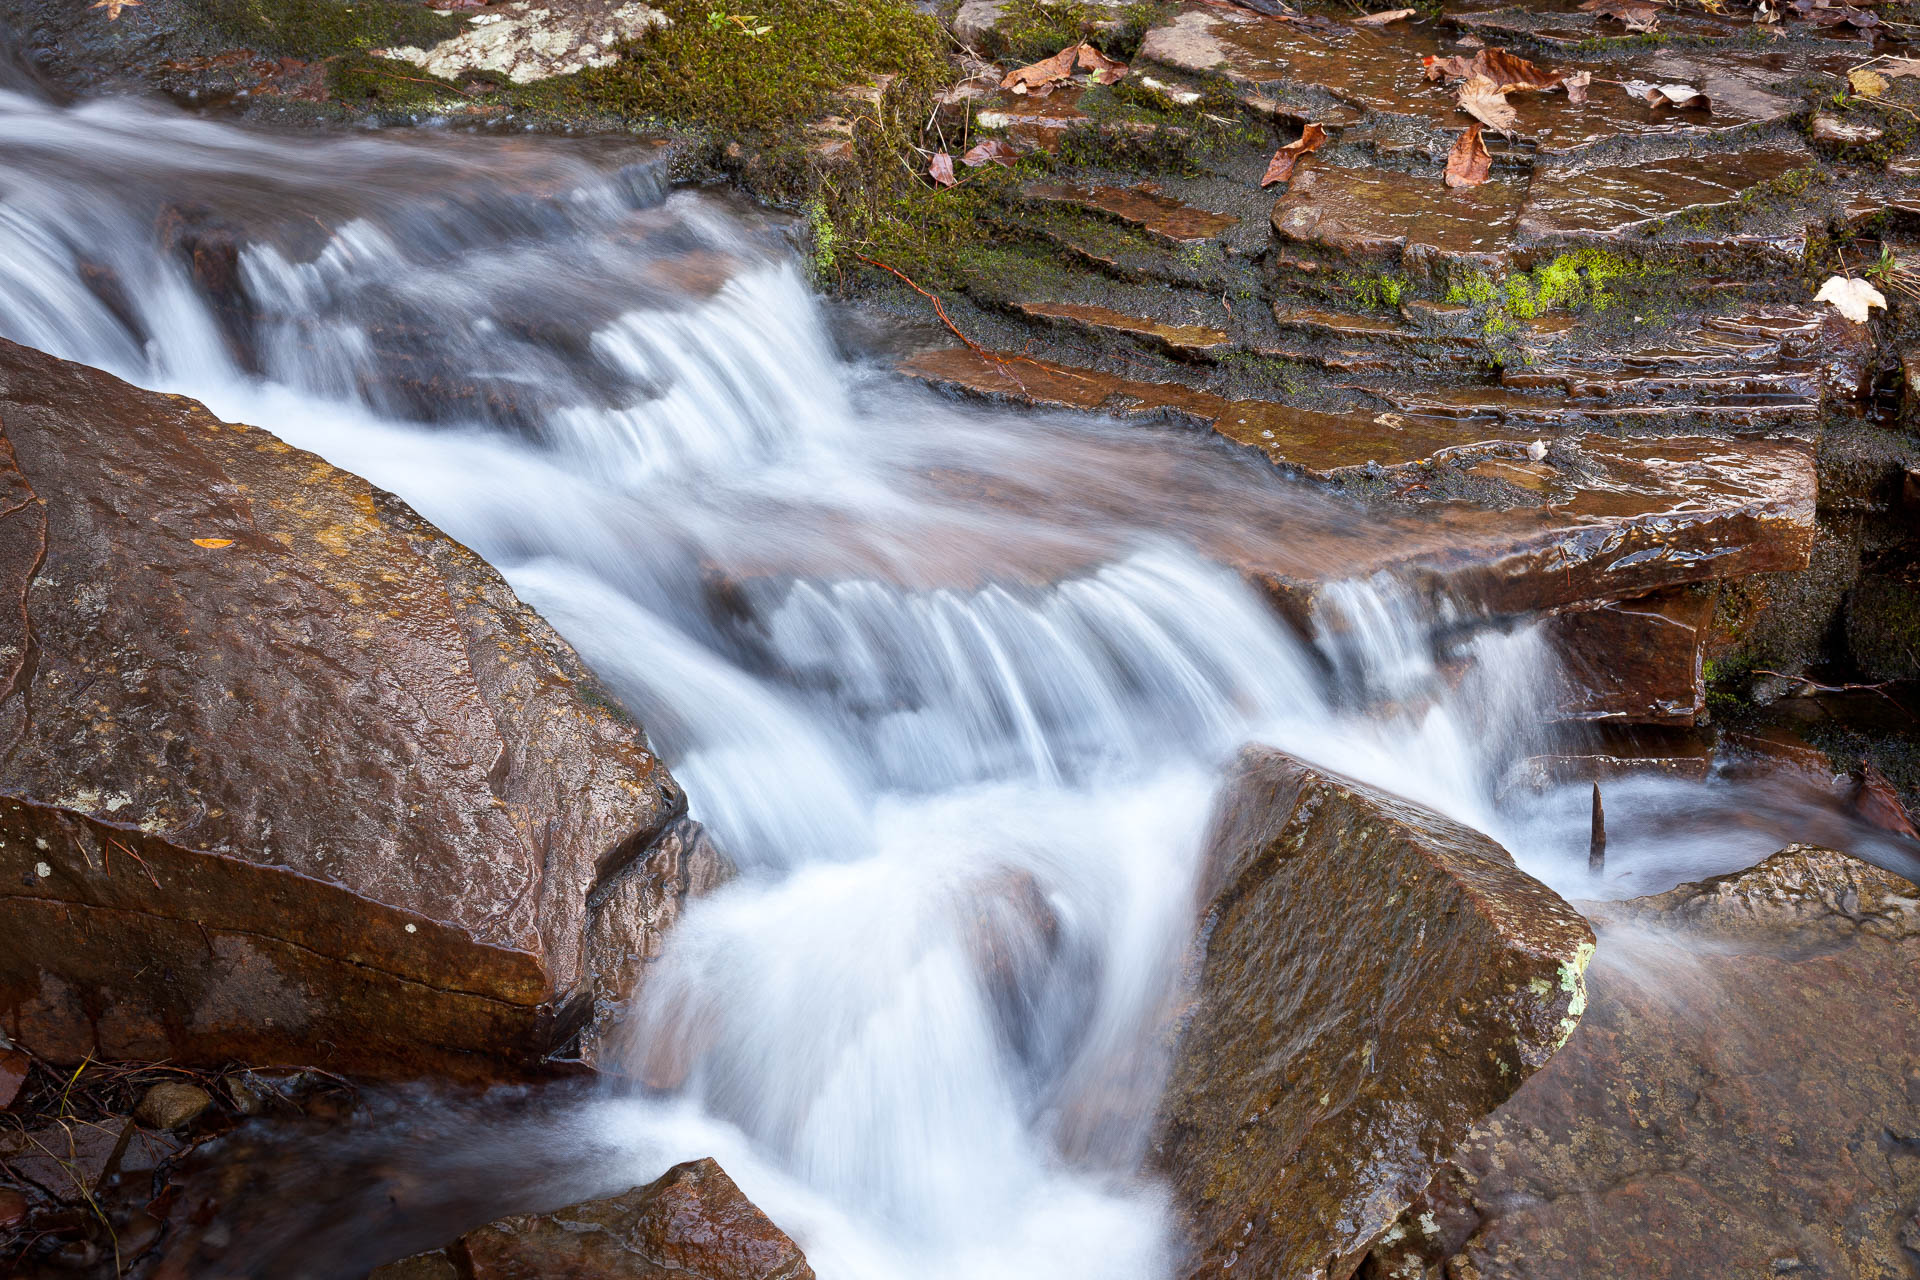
(1280, 168)
(1481, 98)
(1042, 75)
(1683, 96)
(1468, 164)
(941, 170)
(1383, 18)
(990, 151)
(113, 7)
(1452, 67)
(213, 544)
(1852, 298)
(1576, 86)
(1894, 68)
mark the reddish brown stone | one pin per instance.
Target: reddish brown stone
(14, 1066)
(1372, 980)
(1873, 800)
(1636, 661)
(1159, 215)
(1736, 1102)
(289, 775)
(1191, 340)
(690, 1224)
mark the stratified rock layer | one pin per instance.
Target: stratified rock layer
(1740, 1100)
(288, 775)
(1374, 979)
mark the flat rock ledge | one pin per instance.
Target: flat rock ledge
(341, 797)
(692, 1223)
(1372, 980)
(1740, 1099)
(527, 41)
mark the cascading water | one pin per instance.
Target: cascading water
(952, 685)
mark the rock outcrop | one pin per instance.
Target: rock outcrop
(1740, 1099)
(286, 774)
(692, 1223)
(1372, 980)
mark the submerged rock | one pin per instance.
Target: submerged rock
(1373, 978)
(289, 775)
(692, 1222)
(1739, 1100)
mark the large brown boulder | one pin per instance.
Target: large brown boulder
(286, 774)
(1742, 1098)
(1373, 979)
(692, 1223)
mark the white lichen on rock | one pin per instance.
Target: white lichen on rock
(526, 42)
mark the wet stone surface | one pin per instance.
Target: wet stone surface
(1154, 212)
(1411, 219)
(1608, 202)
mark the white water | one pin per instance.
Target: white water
(952, 685)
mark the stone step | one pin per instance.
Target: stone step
(1186, 341)
(1521, 407)
(1144, 206)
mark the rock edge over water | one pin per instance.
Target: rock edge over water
(310, 761)
(1373, 979)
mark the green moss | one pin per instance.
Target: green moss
(762, 77)
(1380, 292)
(1034, 29)
(315, 29)
(1472, 288)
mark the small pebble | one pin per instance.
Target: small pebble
(170, 1104)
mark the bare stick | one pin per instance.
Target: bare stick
(1597, 845)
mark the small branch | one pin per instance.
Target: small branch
(940, 310)
(115, 844)
(1814, 686)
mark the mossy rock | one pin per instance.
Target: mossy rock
(1883, 624)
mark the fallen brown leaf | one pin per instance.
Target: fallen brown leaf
(1683, 96)
(988, 152)
(213, 544)
(113, 7)
(1481, 98)
(1576, 86)
(1868, 84)
(1044, 74)
(1105, 70)
(1639, 15)
(941, 170)
(1452, 67)
(1280, 168)
(1382, 18)
(1894, 68)
(1468, 164)
(1512, 73)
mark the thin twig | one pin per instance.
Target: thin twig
(112, 843)
(939, 308)
(1816, 687)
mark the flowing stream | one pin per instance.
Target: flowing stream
(952, 684)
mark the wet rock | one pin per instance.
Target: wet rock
(632, 915)
(1190, 340)
(529, 40)
(1606, 753)
(171, 1104)
(13, 1209)
(1580, 203)
(1873, 800)
(1372, 979)
(1708, 1117)
(1143, 206)
(1882, 619)
(1636, 661)
(421, 1266)
(1412, 219)
(693, 1222)
(14, 1066)
(982, 24)
(67, 1159)
(289, 774)
(208, 246)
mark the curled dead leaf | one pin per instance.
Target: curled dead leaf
(213, 544)
(1481, 98)
(1044, 74)
(1382, 18)
(991, 151)
(1681, 96)
(1894, 68)
(1638, 15)
(1280, 168)
(1576, 86)
(1105, 70)
(1452, 67)
(941, 170)
(1513, 73)
(1469, 164)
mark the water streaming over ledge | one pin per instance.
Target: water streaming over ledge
(939, 677)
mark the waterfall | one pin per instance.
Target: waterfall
(951, 684)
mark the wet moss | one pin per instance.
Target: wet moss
(1380, 292)
(753, 75)
(314, 29)
(1034, 29)
(363, 79)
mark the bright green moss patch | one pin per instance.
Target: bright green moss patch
(1380, 292)
(1034, 29)
(314, 29)
(761, 70)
